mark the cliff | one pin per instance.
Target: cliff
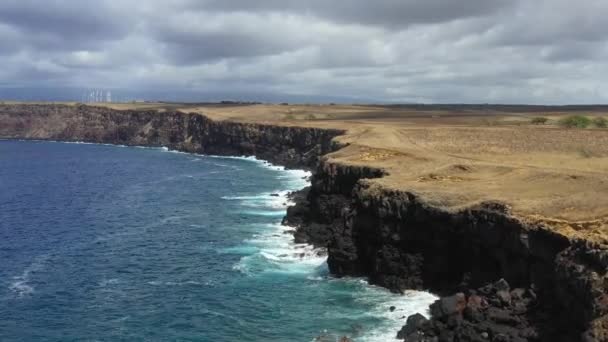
(503, 278)
(195, 133)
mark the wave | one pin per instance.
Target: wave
(21, 287)
(269, 213)
(177, 283)
(21, 284)
(273, 246)
(409, 303)
(109, 282)
(296, 179)
(272, 200)
(273, 250)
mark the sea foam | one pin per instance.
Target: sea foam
(274, 246)
(409, 303)
(272, 249)
(21, 284)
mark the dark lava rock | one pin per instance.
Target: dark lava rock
(448, 306)
(411, 327)
(504, 297)
(501, 285)
(491, 313)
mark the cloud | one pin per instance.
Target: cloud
(199, 37)
(64, 24)
(542, 51)
(385, 13)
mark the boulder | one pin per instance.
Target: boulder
(413, 323)
(449, 306)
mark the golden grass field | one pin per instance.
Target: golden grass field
(459, 158)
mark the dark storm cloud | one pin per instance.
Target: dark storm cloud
(63, 24)
(389, 50)
(193, 48)
(390, 13)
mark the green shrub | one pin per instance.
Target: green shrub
(539, 121)
(311, 117)
(290, 117)
(600, 122)
(575, 121)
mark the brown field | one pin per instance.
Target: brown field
(460, 156)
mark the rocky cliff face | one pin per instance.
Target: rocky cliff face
(503, 279)
(551, 288)
(289, 146)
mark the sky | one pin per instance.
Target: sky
(430, 51)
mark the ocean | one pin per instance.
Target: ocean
(111, 243)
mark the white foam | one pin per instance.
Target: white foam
(269, 213)
(21, 287)
(410, 303)
(275, 248)
(297, 179)
(108, 282)
(177, 283)
(271, 200)
(21, 283)
(275, 251)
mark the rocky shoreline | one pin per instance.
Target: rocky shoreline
(502, 279)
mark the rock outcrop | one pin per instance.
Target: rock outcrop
(492, 313)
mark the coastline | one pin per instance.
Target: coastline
(278, 246)
(304, 257)
(395, 237)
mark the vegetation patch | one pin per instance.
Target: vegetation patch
(575, 121)
(539, 121)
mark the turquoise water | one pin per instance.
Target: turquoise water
(107, 243)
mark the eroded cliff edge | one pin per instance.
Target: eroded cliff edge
(503, 279)
(195, 133)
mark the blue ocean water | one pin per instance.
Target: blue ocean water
(107, 243)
